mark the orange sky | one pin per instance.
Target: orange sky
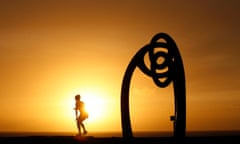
(52, 50)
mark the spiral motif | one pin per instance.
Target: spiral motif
(161, 61)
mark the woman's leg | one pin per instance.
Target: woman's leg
(84, 129)
(79, 126)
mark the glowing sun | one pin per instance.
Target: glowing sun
(94, 105)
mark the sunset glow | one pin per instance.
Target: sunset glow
(52, 50)
(95, 105)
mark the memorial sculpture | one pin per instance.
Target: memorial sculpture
(169, 69)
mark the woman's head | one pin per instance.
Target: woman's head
(77, 97)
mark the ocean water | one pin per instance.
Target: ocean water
(119, 134)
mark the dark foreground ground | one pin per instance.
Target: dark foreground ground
(118, 140)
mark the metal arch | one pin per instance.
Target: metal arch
(170, 70)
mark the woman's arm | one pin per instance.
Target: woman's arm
(76, 113)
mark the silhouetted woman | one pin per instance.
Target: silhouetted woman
(81, 114)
